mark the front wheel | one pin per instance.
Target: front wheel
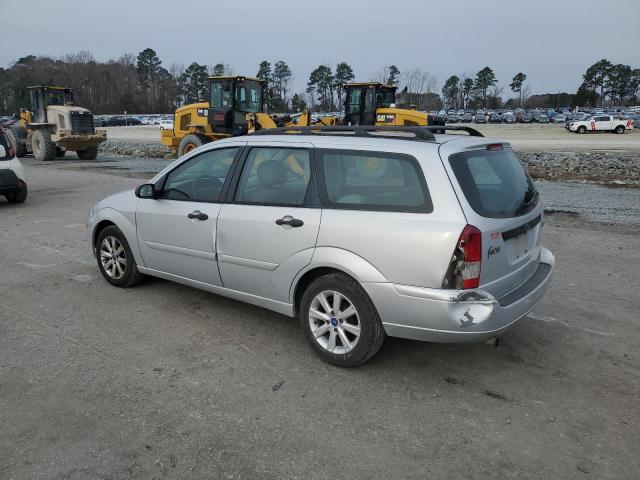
(619, 129)
(115, 260)
(582, 129)
(43, 147)
(340, 320)
(189, 143)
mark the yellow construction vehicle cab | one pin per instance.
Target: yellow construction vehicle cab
(235, 107)
(373, 103)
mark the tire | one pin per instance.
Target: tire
(370, 336)
(619, 129)
(19, 145)
(17, 197)
(89, 154)
(124, 273)
(60, 152)
(42, 146)
(189, 143)
(581, 129)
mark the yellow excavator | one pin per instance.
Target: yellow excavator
(235, 107)
(373, 103)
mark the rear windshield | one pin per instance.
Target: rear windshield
(495, 182)
(4, 143)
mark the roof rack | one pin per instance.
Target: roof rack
(442, 129)
(415, 132)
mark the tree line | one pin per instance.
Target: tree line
(143, 84)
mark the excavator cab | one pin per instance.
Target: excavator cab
(231, 99)
(43, 96)
(363, 99)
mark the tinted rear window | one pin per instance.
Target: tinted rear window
(363, 180)
(495, 183)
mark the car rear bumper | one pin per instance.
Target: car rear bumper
(455, 316)
(9, 182)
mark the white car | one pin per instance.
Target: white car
(600, 123)
(166, 124)
(12, 178)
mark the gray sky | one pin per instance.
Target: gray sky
(552, 41)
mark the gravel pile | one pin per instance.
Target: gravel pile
(612, 168)
(137, 150)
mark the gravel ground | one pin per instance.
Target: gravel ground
(165, 381)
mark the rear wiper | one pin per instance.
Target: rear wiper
(526, 203)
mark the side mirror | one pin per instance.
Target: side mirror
(148, 190)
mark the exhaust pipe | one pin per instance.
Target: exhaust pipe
(495, 341)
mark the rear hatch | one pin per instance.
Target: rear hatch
(499, 198)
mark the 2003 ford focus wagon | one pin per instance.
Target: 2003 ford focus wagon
(360, 232)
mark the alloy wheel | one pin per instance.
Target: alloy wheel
(334, 322)
(113, 257)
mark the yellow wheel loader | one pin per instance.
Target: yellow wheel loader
(374, 103)
(54, 125)
(235, 107)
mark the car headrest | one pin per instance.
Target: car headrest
(271, 173)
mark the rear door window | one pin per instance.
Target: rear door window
(362, 180)
(495, 182)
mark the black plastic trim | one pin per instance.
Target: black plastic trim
(527, 287)
(522, 229)
(420, 133)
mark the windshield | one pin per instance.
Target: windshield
(495, 182)
(57, 97)
(384, 97)
(249, 96)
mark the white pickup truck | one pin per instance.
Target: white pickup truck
(600, 123)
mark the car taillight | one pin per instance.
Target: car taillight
(464, 270)
(470, 244)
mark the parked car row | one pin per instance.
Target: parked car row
(163, 121)
(560, 116)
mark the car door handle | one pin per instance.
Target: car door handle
(289, 220)
(198, 215)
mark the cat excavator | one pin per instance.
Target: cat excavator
(235, 107)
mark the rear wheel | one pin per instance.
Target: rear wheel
(340, 320)
(619, 129)
(582, 129)
(189, 143)
(89, 154)
(17, 197)
(115, 260)
(14, 138)
(43, 148)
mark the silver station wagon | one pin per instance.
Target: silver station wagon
(360, 232)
